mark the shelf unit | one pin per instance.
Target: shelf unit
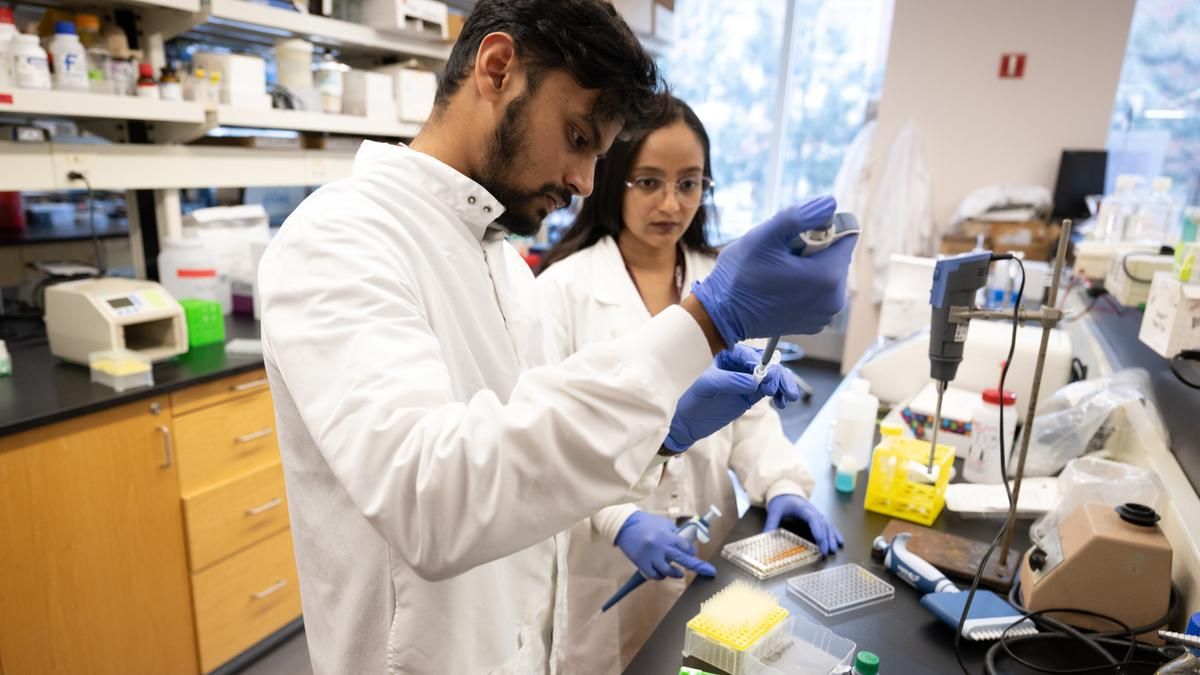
(44, 166)
(82, 105)
(253, 23)
(300, 120)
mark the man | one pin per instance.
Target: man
(431, 456)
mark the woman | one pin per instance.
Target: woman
(637, 246)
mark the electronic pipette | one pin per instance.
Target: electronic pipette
(811, 242)
(694, 530)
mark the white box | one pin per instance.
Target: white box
(1172, 320)
(243, 78)
(639, 14)
(369, 94)
(905, 306)
(415, 91)
(1130, 274)
(409, 16)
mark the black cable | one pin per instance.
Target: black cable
(1125, 267)
(1177, 362)
(1172, 607)
(1012, 347)
(91, 207)
(1073, 633)
(994, 651)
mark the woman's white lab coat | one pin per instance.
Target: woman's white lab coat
(590, 299)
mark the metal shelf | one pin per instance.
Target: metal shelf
(254, 23)
(80, 105)
(44, 166)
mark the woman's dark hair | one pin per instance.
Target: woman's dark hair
(601, 216)
(586, 38)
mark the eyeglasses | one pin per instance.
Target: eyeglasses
(690, 191)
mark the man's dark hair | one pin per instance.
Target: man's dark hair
(586, 38)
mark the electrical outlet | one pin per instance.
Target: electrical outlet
(67, 162)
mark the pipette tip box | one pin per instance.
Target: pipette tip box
(772, 553)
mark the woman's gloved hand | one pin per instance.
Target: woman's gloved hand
(724, 393)
(650, 543)
(759, 288)
(824, 534)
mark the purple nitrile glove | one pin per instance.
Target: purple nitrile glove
(651, 544)
(760, 288)
(724, 393)
(824, 534)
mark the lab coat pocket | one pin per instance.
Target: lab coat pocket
(530, 658)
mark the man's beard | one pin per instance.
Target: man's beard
(523, 214)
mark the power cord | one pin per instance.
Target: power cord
(987, 556)
(91, 208)
(1191, 357)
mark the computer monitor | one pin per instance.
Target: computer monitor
(1080, 173)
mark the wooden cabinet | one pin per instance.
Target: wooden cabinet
(148, 538)
(93, 569)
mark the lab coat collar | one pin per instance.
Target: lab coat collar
(610, 280)
(468, 200)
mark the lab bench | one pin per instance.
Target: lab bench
(145, 531)
(906, 636)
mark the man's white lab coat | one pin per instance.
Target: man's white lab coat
(590, 300)
(431, 460)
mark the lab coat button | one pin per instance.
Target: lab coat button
(470, 200)
(675, 466)
(487, 209)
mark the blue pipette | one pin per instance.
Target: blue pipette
(694, 530)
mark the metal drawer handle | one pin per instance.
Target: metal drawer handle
(168, 453)
(269, 590)
(263, 508)
(252, 384)
(254, 436)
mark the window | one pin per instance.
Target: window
(778, 132)
(1156, 118)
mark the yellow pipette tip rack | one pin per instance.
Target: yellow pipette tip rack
(738, 620)
(894, 487)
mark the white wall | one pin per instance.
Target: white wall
(943, 74)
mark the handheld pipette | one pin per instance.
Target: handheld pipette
(811, 242)
(693, 530)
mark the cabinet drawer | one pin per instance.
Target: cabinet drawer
(218, 391)
(225, 441)
(245, 598)
(230, 517)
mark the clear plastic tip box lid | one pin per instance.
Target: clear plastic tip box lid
(121, 369)
(771, 553)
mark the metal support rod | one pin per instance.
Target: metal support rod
(1010, 523)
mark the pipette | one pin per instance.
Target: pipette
(811, 242)
(693, 530)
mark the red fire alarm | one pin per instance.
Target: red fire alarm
(1012, 66)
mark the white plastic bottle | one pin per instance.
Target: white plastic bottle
(69, 58)
(31, 67)
(7, 32)
(982, 463)
(189, 270)
(854, 428)
(1154, 218)
(329, 80)
(1116, 210)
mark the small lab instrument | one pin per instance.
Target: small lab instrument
(1130, 274)
(835, 590)
(694, 530)
(1171, 323)
(990, 614)
(1122, 551)
(811, 242)
(738, 622)
(112, 313)
(771, 553)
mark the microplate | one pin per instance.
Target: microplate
(840, 589)
(771, 553)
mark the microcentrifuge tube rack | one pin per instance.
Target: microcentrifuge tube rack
(771, 553)
(835, 590)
